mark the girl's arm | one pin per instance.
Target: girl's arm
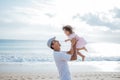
(67, 40)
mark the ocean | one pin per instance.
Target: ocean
(37, 51)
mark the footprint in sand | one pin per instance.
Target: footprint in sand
(29, 78)
(42, 78)
(76, 76)
(50, 77)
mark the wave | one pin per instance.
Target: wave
(12, 58)
(37, 51)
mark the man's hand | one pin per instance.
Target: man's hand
(74, 56)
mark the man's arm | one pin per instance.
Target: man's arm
(73, 51)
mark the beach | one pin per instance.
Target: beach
(54, 76)
(48, 71)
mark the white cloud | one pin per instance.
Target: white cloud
(102, 19)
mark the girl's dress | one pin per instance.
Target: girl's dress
(81, 42)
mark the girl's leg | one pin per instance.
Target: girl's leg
(83, 57)
(83, 48)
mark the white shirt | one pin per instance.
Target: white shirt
(61, 59)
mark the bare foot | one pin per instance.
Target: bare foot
(83, 58)
(86, 50)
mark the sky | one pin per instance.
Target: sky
(95, 20)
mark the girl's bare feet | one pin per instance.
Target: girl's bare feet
(83, 58)
(84, 48)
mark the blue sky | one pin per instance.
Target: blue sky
(97, 21)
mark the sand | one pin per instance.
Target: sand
(41, 71)
(54, 76)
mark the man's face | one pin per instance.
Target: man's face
(56, 45)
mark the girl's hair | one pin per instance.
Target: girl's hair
(68, 28)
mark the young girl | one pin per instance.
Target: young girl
(80, 45)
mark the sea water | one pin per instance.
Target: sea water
(37, 51)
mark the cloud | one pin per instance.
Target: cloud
(37, 12)
(117, 12)
(103, 19)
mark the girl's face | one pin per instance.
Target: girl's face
(66, 32)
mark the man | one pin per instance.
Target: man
(62, 57)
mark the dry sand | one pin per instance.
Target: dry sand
(54, 76)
